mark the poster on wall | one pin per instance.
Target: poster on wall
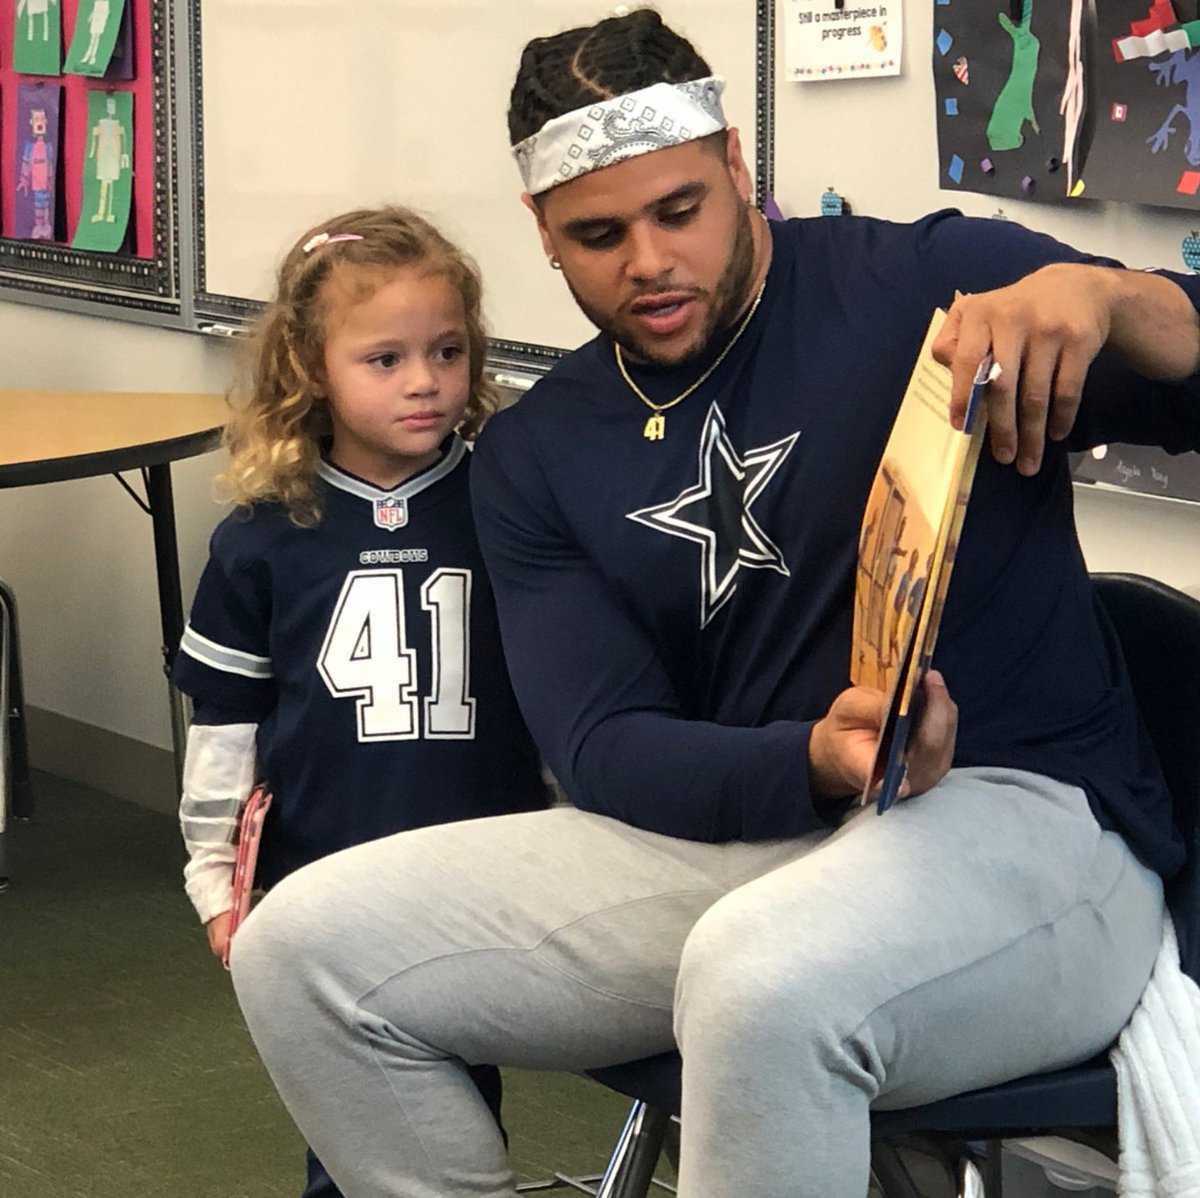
(97, 23)
(39, 135)
(1009, 78)
(37, 37)
(841, 39)
(1146, 108)
(107, 173)
(1141, 468)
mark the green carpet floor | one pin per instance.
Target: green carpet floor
(125, 1071)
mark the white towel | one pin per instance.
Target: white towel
(1157, 1060)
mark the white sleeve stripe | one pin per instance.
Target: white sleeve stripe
(221, 657)
(204, 810)
(195, 833)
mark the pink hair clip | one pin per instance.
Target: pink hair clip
(320, 239)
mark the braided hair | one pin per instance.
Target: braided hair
(572, 69)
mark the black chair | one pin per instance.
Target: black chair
(1159, 631)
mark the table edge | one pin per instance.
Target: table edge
(110, 461)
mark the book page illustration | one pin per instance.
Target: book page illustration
(906, 547)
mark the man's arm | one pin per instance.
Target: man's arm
(1047, 330)
(1066, 328)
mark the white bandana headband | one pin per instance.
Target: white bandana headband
(609, 131)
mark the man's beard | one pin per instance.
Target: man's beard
(728, 300)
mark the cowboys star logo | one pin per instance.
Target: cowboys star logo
(715, 513)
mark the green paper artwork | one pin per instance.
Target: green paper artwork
(107, 173)
(37, 37)
(1014, 105)
(97, 24)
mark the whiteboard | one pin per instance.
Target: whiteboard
(306, 108)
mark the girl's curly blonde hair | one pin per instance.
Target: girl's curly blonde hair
(280, 414)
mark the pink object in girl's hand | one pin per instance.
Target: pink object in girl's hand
(249, 837)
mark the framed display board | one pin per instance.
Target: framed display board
(88, 183)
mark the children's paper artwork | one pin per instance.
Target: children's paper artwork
(97, 23)
(37, 37)
(107, 173)
(1141, 468)
(842, 39)
(1145, 145)
(1010, 95)
(37, 159)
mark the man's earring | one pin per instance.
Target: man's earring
(555, 264)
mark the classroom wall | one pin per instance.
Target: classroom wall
(80, 554)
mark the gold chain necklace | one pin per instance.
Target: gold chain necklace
(656, 424)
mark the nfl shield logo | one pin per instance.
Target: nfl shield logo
(391, 513)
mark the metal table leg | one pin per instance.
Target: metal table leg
(170, 597)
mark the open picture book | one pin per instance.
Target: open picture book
(906, 549)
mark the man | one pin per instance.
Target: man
(671, 519)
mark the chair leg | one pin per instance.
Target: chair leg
(6, 640)
(21, 806)
(971, 1182)
(631, 1170)
(890, 1173)
(954, 1157)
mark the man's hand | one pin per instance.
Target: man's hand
(218, 933)
(841, 749)
(1044, 332)
(931, 748)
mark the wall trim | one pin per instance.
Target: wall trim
(107, 761)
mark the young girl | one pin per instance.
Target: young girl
(343, 646)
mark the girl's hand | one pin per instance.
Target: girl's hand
(218, 933)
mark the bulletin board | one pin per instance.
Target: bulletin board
(87, 161)
(876, 143)
(308, 107)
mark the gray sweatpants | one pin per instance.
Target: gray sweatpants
(978, 932)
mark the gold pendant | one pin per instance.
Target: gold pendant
(656, 427)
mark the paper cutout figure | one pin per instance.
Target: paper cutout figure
(1180, 68)
(1190, 248)
(1014, 105)
(1145, 146)
(833, 204)
(1160, 16)
(1016, 79)
(1071, 106)
(97, 24)
(38, 108)
(107, 173)
(37, 37)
